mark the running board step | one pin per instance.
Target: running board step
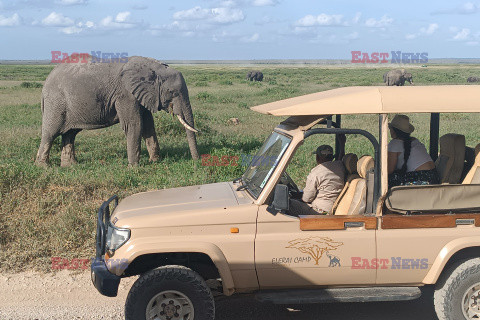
(339, 295)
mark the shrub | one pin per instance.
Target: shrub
(31, 85)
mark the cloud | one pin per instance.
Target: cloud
(466, 8)
(78, 28)
(121, 21)
(14, 20)
(71, 30)
(383, 22)
(220, 15)
(432, 27)
(357, 17)
(424, 31)
(463, 34)
(253, 38)
(122, 16)
(320, 20)
(226, 15)
(57, 20)
(195, 13)
(71, 2)
(264, 3)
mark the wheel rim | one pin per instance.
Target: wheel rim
(170, 305)
(471, 302)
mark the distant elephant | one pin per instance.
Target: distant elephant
(255, 76)
(472, 79)
(397, 77)
(79, 96)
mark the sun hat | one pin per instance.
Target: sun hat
(402, 123)
(324, 150)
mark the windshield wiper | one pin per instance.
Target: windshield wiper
(242, 187)
(237, 180)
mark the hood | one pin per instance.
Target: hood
(174, 207)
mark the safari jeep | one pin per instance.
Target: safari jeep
(378, 243)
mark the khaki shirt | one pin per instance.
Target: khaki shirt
(324, 184)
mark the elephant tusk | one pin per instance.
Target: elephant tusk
(186, 124)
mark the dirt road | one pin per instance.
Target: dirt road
(66, 295)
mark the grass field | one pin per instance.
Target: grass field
(51, 212)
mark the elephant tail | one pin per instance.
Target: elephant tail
(42, 104)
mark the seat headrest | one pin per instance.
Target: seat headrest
(365, 164)
(452, 144)
(477, 149)
(350, 160)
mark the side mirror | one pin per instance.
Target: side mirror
(281, 201)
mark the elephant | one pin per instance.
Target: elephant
(86, 96)
(397, 77)
(472, 79)
(255, 75)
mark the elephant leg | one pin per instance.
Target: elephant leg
(130, 118)
(133, 132)
(43, 154)
(50, 131)
(68, 147)
(150, 136)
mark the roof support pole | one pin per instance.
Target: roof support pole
(338, 121)
(434, 135)
(383, 138)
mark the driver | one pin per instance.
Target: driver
(325, 182)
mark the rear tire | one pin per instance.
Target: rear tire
(170, 293)
(457, 293)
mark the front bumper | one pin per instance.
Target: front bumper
(105, 281)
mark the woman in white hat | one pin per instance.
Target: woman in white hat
(408, 160)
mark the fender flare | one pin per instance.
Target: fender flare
(211, 250)
(446, 254)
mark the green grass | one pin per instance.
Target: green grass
(51, 212)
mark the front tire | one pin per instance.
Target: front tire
(457, 294)
(170, 293)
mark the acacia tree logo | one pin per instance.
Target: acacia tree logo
(314, 246)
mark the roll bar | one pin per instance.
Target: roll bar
(369, 136)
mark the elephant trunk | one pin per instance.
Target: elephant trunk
(186, 119)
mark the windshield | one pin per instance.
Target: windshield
(264, 162)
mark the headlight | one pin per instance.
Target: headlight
(116, 237)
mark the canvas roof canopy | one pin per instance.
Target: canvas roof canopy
(376, 100)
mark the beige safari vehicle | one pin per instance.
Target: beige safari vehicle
(195, 243)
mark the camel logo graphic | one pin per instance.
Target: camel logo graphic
(315, 247)
(334, 261)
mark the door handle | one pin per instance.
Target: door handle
(354, 224)
(464, 222)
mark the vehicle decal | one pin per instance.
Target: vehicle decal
(316, 247)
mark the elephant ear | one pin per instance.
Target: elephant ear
(140, 79)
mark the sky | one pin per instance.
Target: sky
(238, 29)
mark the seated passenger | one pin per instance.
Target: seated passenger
(325, 181)
(408, 160)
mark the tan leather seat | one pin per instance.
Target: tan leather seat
(354, 200)
(473, 176)
(350, 161)
(452, 158)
